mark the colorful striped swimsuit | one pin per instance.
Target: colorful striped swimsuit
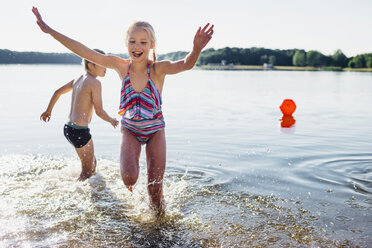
(141, 111)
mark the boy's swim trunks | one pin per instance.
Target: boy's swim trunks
(78, 136)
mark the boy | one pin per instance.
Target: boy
(86, 96)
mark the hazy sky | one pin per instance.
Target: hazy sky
(323, 25)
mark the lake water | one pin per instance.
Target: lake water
(234, 177)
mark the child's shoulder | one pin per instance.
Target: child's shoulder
(160, 65)
(124, 62)
(123, 66)
(78, 79)
(90, 81)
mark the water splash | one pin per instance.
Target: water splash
(43, 205)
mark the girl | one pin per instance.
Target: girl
(140, 103)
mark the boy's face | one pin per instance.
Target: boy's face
(98, 70)
(139, 44)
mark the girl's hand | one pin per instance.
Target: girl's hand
(43, 26)
(45, 116)
(203, 36)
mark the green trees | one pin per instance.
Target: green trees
(11, 57)
(246, 56)
(339, 59)
(316, 59)
(264, 59)
(299, 58)
(361, 61)
(259, 56)
(368, 59)
(272, 60)
(230, 55)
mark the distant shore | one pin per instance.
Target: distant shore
(228, 58)
(238, 67)
(278, 68)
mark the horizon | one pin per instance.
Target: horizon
(125, 53)
(288, 24)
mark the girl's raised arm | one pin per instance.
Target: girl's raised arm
(201, 39)
(76, 47)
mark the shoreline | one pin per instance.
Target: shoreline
(277, 68)
(239, 67)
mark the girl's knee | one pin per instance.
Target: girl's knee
(129, 177)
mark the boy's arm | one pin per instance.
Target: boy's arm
(64, 89)
(98, 105)
(107, 61)
(201, 39)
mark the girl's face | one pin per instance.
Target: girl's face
(139, 44)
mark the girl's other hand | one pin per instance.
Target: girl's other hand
(43, 26)
(203, 36)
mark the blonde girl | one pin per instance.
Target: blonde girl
(140, 100)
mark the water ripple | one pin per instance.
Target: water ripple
(342, 172)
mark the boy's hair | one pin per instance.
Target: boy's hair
(148, 28)
(86, 62)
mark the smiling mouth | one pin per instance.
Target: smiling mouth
(137, 54)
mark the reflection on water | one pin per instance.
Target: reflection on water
(287, 121)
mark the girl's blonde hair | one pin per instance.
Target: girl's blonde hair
(148, 28)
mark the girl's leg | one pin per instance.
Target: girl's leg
(156, 157)
(130, 150)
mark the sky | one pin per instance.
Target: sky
(322, 25)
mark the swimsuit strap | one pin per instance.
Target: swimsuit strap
(130, 63)
(148, 69)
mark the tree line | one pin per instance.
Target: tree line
(12, 57)
(227, 55)
(289, 57)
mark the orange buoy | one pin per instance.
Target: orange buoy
(288, 107)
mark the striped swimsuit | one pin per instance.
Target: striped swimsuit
(141, 111)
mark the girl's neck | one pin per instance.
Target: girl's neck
(138, 66)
